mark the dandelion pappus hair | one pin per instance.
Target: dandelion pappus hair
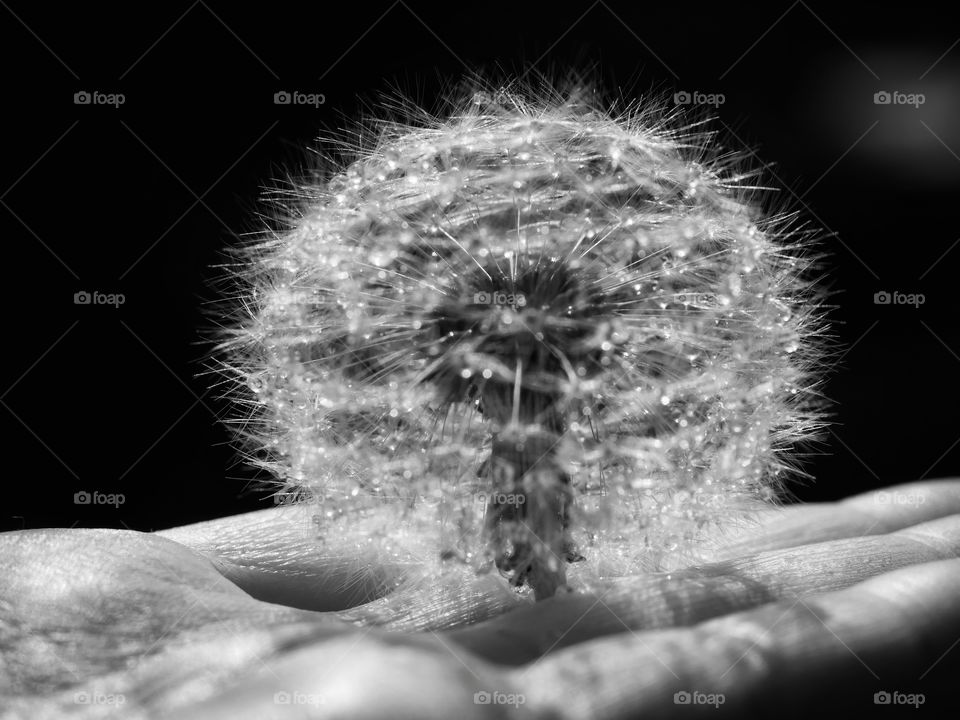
(539, 331)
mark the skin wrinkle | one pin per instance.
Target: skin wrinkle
(947, 541)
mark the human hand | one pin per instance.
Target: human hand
(249, 616)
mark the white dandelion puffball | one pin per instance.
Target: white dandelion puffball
(529, 336)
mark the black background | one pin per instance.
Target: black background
(141, 199)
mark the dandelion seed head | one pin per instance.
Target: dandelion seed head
(530, 333)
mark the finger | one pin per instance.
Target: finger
(661, 601)
(235, 644)
(138, 620)
(889, 632)
(781, 659)
(687, 597)
(871, 513)
(655, 600)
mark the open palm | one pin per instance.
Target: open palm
(851, 604)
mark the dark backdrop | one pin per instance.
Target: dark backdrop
(139, 199)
